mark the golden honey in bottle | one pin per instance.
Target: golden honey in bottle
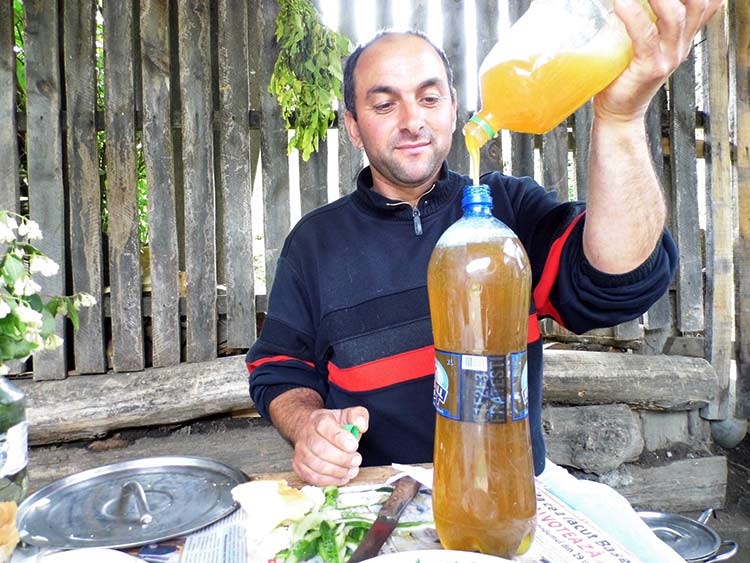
(557, 56)
(479, 290)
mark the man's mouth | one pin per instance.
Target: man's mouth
(412, 146)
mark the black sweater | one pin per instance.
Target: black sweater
(348, 314)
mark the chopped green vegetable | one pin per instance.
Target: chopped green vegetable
(331, 493)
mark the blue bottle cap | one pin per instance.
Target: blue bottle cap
(477, 195)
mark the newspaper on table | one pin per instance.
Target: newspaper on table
(562, 535)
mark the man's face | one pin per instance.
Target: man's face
(405, 114)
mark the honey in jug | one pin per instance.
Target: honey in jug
(479, 290)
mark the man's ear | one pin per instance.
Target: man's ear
(353, 128)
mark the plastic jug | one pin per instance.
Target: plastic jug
(478, 281)
(557, 56)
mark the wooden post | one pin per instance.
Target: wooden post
(198, 163)
(44, 150)
(384, 14)
(350, 157)
(84, 194)
(235, 173)
(720, 222)
(522, 144)
(742, 247)
(158, 153)
(487, 20)
(418, 19)
(455, 49)
(555, 160)
(122, 196)
(273, 145)
(9, 164)
(582, 120)
(684, 204)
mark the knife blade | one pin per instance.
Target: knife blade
(403, 491)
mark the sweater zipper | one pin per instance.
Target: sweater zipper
(417, 220)
(416, 215)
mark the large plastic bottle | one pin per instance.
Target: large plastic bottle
(557, 56)
(478, 282)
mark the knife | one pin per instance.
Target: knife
(403, 491)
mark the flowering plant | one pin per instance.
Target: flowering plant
(27, 323)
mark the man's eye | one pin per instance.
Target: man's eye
(383, 106)
(431, 100)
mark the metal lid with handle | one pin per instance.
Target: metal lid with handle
(692, 539)
(130, 503)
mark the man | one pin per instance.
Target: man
(347, 338)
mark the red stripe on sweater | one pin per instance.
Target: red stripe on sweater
(385, 371)
(257, 363)
(543, 289)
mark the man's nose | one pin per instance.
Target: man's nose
(412, 118)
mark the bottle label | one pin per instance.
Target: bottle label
(486, 389)
(14, 450)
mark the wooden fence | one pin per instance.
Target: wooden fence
(185, 85)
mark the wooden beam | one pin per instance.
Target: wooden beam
(90, 406)
(719, 215)
(650, 382)
(742, 246)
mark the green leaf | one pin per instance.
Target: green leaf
(327, 547)
(36, 303)
(48, 323)
(72, 314)
(13, 269)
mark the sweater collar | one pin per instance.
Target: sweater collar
(446, 189)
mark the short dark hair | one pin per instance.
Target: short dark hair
(351, 64)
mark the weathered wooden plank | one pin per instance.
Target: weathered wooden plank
(235, 172)
(522, 144)
(719, 204)
(653, 382)
(200, 198)
(487, 16)
(84, 407)
(313, 179)
(742, 248)
(684, 205)
(44, 151)
(455, 49)
(122, 195)
(350, 157)
(384, 14)
(276, 219)
(555, 161)
(9, 164)
(594, 438)
(663, 487)
(250, 445)
(158, 153)
(84, 194)
(418, 18)
(659, 315)
(582, 120)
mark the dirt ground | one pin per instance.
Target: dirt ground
(733, 523)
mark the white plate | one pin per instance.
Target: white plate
(437, 556)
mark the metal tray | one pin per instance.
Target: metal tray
(130, 503)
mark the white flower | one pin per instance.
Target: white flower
(62, 308)
(6, 234)
(8, 221)
(29, 316)
(25, 286)
(33, 337)
(4, 309)
(19, 253)
(43, 265)
(4, 370)
(30, 229)
(87, 300)
(53, 342)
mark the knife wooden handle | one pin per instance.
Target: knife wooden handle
(403, 491)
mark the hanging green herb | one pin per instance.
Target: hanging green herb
(308, 73)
